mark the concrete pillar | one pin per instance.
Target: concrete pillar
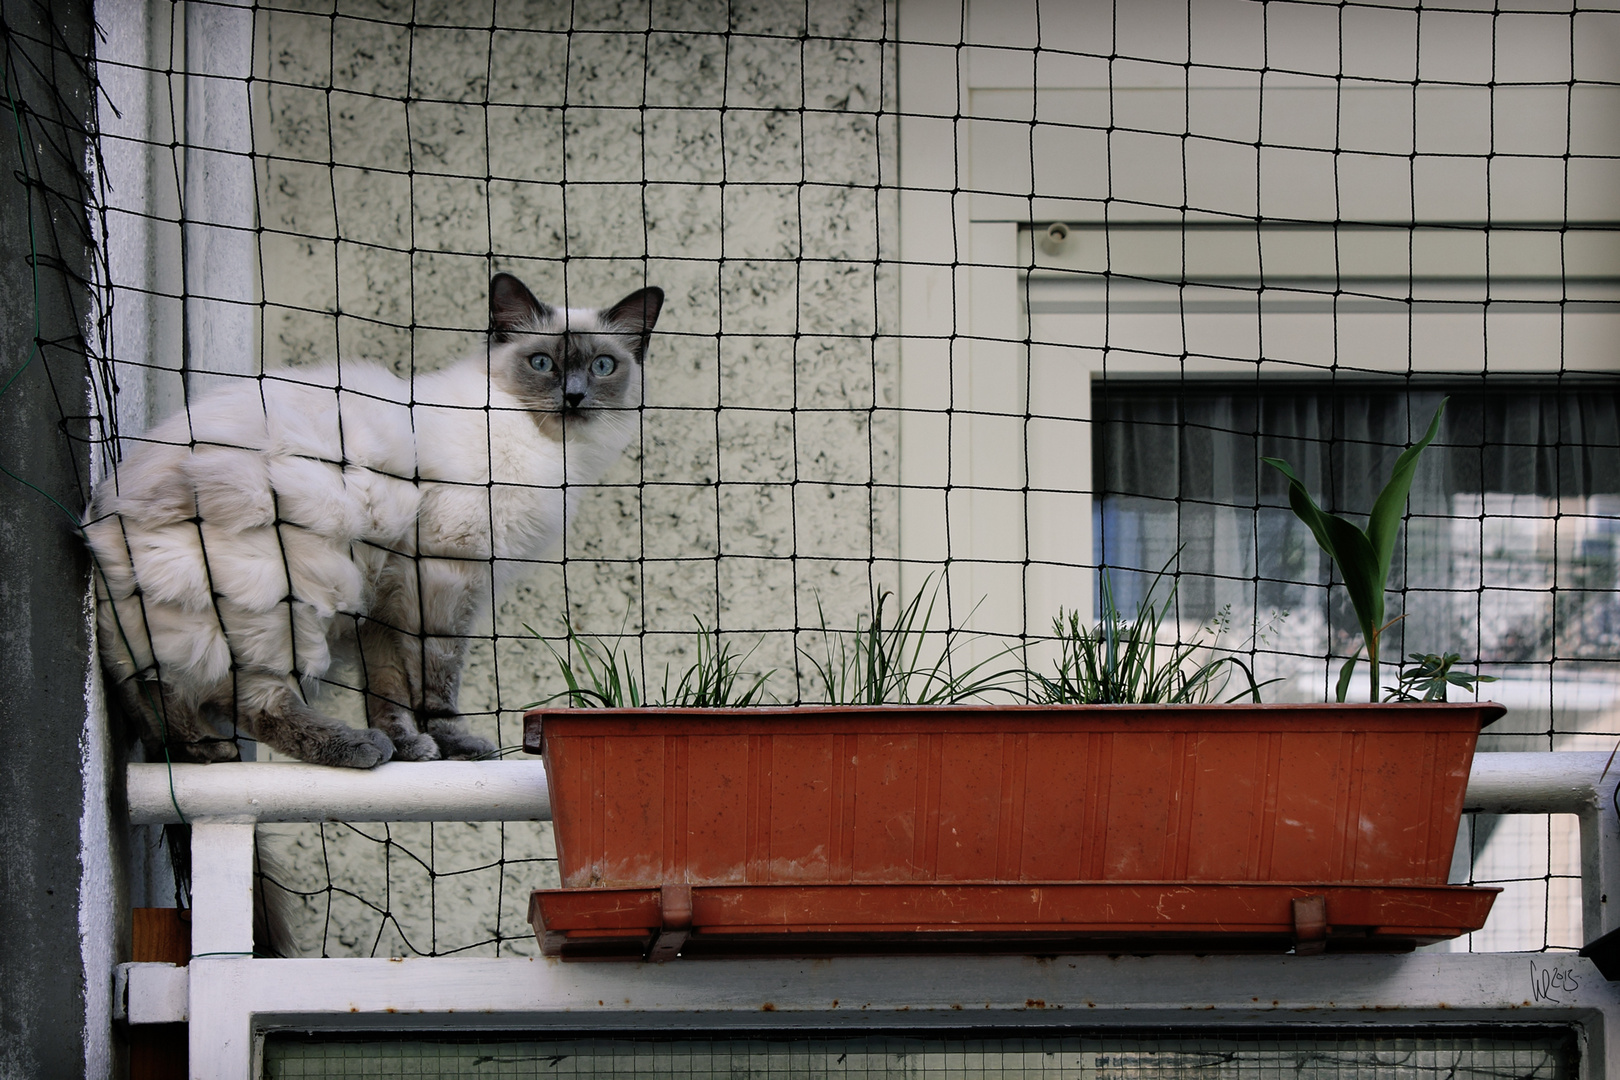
(56, 881)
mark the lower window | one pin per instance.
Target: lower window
(1535, 1054)
(1507, 557)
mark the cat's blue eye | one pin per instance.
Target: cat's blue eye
(603, 365)
(541, 362)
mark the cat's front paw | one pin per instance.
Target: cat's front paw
(358, 750)
(208, 751)
(458, 744)
(416, 747)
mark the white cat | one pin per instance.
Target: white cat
(227, 542)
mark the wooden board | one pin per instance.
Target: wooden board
(159, 1051)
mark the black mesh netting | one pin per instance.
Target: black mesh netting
(987, 303)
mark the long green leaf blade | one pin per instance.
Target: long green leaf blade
(1346, 545)
(1359, 568)
(1304, 506)
(1385, 518)
(1342, 690)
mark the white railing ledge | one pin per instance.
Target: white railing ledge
(1579, 782)
(214, 796)
(1559, 782)
(286, 791)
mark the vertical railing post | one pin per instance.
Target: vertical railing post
(221, 889)
(1600, 858)
(221, 938)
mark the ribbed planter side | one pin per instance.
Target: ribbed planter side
(1354, 794)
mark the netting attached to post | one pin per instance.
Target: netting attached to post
(992, 303)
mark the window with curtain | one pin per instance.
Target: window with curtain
(1507, 556)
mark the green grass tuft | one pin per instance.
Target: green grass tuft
(1126, 662)
(903, 662)
(599, 675)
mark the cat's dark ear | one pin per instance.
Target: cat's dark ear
(637, 313)
(513, 308)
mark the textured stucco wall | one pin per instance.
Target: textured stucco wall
(736, 156)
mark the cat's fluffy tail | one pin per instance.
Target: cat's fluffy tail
(275, 903)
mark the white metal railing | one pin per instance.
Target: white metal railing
(1567, 782)
(284, 791)
(1579, 783)
(228, 997)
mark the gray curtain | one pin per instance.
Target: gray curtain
(1508, 555)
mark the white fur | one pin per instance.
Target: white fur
(452, 467)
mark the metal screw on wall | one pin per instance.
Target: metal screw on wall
(1055, 238)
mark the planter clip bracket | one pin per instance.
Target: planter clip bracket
(675, 907)
(1310, 925)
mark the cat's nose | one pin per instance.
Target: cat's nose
(573, 400)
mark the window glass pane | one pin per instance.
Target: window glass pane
(1508, 556)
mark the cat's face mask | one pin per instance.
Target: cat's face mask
(575, 363)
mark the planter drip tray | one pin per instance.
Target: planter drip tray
(661, 923)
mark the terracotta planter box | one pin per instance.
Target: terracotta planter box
(973, 796)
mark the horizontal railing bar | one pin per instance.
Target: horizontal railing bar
(1563, 782)
(287, 791)
(1559, 782)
